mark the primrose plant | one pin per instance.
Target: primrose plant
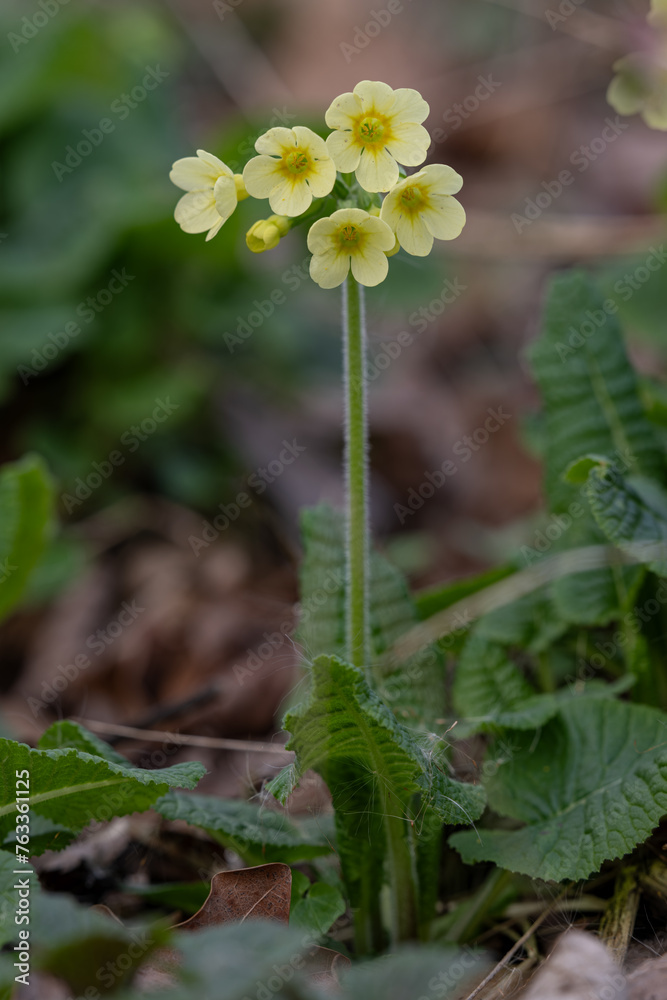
(389, 782)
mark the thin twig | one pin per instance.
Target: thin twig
(502, 964)
(154, 735)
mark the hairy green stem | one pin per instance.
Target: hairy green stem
(357, 630)
(356, 476)
(404, 915)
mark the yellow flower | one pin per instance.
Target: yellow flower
(213, 192)
(421, 207)
(266, 234)
(376, 129)
(294, 166)
(349, 238)
(640, 85)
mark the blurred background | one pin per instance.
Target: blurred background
(164, 379)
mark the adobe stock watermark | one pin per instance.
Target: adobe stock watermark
(33, 23)
(365, 33)
(624, 288)
(581, 158)
(544, 538)
(292, 279)
(273, 641)
(565, 9)
(464, 449)
(6, 569)
(459, 113)
(122, 107)
(87, 311)
(257, 482)
(97, 642)
(223, 7)
(420, 319)
(246, 148)
(131, 439)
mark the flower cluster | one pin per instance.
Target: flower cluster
(640, 83)
(337, 186)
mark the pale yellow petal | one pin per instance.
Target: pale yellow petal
(344, 151)
(344, 111)
(357, 216)
(225, 196)
(214, 163)
(437, 178)
(391, 211)
(322, 177)
(330, 269)
(370, 267)
(192, 173)
(379, 232)
(409, 143)
(446, 221)
(321, 235)
(409, 106)
(216, 229)
(291, 197)
(260, 176)
(196, 211)
(310, 142)
(377, 170)
(414, 236)
(375, 96)
(275, 141)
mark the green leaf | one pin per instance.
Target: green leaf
(531, 622)
(84, 947)
(417, 972)
(627, 519)
(592, 406)
(591, 397)
(317, 909)
(491, 693)
(344, 720)
(416, 688)
(26, 503)
(74, 788)
(68, 735)
(258, 834)
(429, 602)
(590, 788)
(45, 835)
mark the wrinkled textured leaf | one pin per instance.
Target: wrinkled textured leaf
(592, 405)
(589, 789)
(414, 689)
(627, 519)
(257, 834)
(343, 719)
(74, 788)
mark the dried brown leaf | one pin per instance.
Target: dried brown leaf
(256, 893)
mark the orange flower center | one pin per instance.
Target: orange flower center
(372, 131)
(349, 234)
(297, 162)
(411, 198)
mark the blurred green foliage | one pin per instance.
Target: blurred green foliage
(82, 361)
